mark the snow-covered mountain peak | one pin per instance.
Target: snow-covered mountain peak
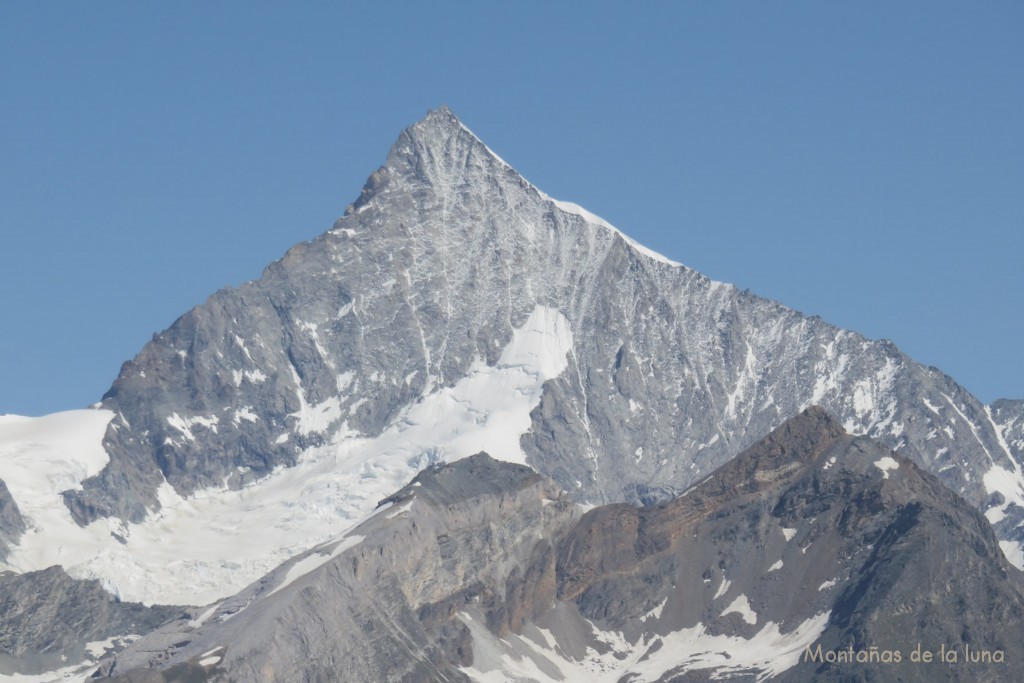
(440, 154)
(632, 379)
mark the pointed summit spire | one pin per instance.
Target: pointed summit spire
(438, 125)
(441, 114)
(437, 150)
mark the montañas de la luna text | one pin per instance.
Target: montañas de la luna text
(877, 655)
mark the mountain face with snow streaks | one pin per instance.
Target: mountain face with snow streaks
(446, 252)
(456, 308)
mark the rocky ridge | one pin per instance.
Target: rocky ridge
(480, 569)
(48, 619)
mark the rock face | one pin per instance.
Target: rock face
(47, 619)
(810, 521)
(446, 252)
(12, 525)
(379, 604)
(810, 542)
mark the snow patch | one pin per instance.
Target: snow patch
(314, 561)
(245, 413)
(577, 210)
(76, 673)
(741, 605)
(649, 659)
(205, 616)
(656, 612)
(1014, 552)
(314, 418)
(185, 424)
(887, 464)
(1010, 485)
(405, 507)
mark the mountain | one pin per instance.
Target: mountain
(455, 308)
(810, 543)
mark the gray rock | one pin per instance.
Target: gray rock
(12, 525)
(47, 618)
(1009, 419)
(894, 557)
(379, 604)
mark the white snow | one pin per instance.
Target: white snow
(887, 464)
(241, 344)
(80, 672)
(577, 210)
(76, 673)
(97, 648)
(741, 605)
(210, 660)
(42, 456)
(1008, 484)
(245, 413)
(777, 565)
(722, 588)
(829, 371)
(314, 561)
(1014, 552)
(401, 510)
(826, 585)
(656, 612)
(214, 543)
(520, 659)
(317, 418)
(185, 424)
(788, 533)
(204, 617)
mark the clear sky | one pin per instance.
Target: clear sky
(862, 161)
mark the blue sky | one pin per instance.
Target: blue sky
(859, 161)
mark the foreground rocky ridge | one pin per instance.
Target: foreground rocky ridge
(444, 254)
(48, 619)
(481, 570)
